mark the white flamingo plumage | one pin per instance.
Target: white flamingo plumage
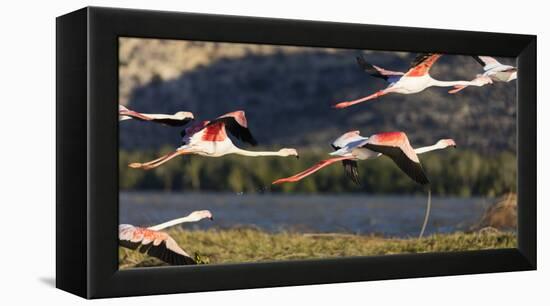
(177, 119)
(209, 138)
(351, 147)
(415, 80)
(494, 71)
(153, 241)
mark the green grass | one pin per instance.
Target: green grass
(251, 245)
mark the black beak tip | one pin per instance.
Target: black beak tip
(211, 218)
(297, 156)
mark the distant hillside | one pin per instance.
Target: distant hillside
(286, 93)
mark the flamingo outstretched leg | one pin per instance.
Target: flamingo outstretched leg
(159, 161)
(353, 102)
(134, 114)
(311, 170)
(457, 89)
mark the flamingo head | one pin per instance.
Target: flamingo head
(444, 143)
(201, 214)
(289, 152)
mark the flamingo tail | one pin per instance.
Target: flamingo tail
(427, 216)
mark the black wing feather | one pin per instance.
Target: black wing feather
(478, 59)
(369, 68)
(419, 59)
(163, 253)
(160, 251)
(236, 129)
(129, 245)
(350, 168)
(412, 169)
(173, 122)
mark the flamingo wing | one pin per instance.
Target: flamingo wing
(396, 146)
(376, 71)
(422, 63)
(487, 62)
(311, 170)
(350, 168)
(346, 139)
(236, 124)
(172, 121)
(154, 243)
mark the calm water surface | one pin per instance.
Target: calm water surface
(361, 214)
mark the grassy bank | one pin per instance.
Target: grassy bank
(251, 245)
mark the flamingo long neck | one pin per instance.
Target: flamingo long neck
(438, 83)
(437, 146)
(160, 116)
(256, 153)
(164, 225)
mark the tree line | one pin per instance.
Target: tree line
(452, 172)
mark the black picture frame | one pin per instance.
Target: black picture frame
(87, 152)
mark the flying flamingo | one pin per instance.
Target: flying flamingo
(177, 119)
(415, 80)
(351, 147)
(209, 138)
(154, 242)
(494, 71)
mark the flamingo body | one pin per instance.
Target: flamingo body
(497, 71)
(415, 80)
(352, 147)
(493, 71)
(177, 119)
(210, 138)
(157, 243)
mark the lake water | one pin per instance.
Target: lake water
(361, 214)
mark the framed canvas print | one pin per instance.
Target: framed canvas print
(201, 152)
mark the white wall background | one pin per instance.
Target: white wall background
(27, 119)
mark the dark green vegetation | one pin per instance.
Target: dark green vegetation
(452, 172)
(250, 245)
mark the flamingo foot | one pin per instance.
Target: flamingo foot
(135, 165)
(283, 180)
(342, 105)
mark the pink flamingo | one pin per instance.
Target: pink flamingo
(154, 242)
(209, 138)
(177, 119)
(494, 71)
(351, 147)
(415, 80)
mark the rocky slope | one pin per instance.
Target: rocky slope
(287, 92)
